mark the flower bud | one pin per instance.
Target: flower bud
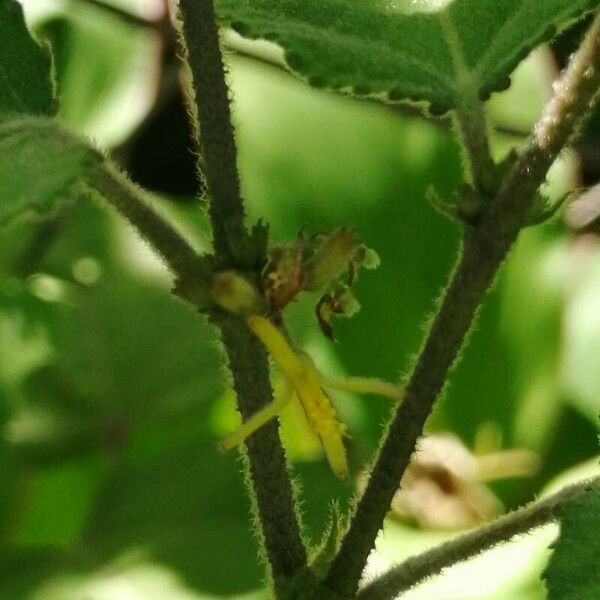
(348, 303)
(331, 259)
(368, 258)
(235, 294)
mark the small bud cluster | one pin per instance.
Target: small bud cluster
(326, 262)
(236, 294)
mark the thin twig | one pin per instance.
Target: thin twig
(416, 569)
(484, 249)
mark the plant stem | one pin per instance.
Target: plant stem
(418, 568)
(214, 129)
(184, 262)
(469, 114)
(484, 249)
(269, 482)
(471, 125)
(273, 499)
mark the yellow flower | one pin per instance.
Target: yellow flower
(303, 380)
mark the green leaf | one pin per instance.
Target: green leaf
(186, 509)
(573, 570)
(22, 570)
(434, 50)
(41, 166)
(161, 359)
(25, 67)
(93, 86)
(131, 375)
(581, 338)
(44, 520)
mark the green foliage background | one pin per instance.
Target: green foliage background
(112, 398)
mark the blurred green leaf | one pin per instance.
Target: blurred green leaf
(55, 508)
(530, 318)
(107, 71)
(128, 354)
(550, 328)
(517, 109)
(573, 570)
(185, 508)
(426, 50)
(581, 347)
(128, 574)
(25, 82)
(22, 571)
(41, 166)
(54, 423)
(24, 347)
(134, 349)
(123, 442)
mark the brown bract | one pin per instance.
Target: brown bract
(328, 263)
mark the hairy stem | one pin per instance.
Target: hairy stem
(273, 497)
(269, 482)
(214, 128)
(416, 569)
(469, 115)
(471, 125)
(484, 249)
(179, 256)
